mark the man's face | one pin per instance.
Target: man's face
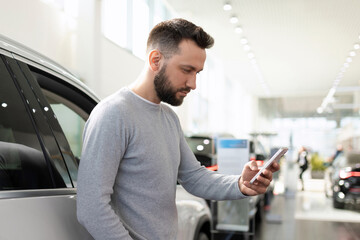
(177, 76)
(165, 91)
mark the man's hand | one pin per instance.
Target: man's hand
(261, 183)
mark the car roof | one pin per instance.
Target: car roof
(21, 51)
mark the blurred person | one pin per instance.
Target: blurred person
(303, 164)
(339, 150)
(134, 150)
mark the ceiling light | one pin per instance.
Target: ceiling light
(352, 53)
(238, 30)
(244, 41)
(227, 6)
(346, 65)
(349, 59)
(253, 61)
(234, 19)
(246, 48)
(251, 55)
(356, 46)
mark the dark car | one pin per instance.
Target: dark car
(204, 149)
(342, 180)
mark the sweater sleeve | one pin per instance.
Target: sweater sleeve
(103, 148)
(204, 183)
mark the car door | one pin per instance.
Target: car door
(37, 171)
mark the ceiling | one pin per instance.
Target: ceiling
(300, 47)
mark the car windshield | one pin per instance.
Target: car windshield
(201, 145)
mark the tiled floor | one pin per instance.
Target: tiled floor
(304, 215)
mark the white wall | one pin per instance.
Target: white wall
(39, 27)
(118, 67)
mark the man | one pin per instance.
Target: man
(134, 150)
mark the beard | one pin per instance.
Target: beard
(165, 91)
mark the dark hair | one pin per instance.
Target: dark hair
(167, 35)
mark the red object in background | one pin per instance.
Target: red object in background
(259, 163)
(213, 168)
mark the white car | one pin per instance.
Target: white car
(43, 109)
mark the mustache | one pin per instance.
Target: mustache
(186, 89)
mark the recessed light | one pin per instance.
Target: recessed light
(234, 19)
(251, 55)
(244, 41)
(352, 53)
(349, 59)
(356, 46)
(247, 48)
(238, 30)
(227, 6)
(346, 65)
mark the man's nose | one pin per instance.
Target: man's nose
(191, 82)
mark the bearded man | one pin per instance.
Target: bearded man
(134, 150)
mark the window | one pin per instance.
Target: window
(70, 121)
(22, 162)
(69, 108)
(128, 22)
(72, 125)
(140, 27)
(114, 21)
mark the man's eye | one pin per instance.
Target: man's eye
(186, 70)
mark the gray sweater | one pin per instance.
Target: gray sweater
(133, 154)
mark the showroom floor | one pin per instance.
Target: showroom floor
(304, 215)
(308, 214)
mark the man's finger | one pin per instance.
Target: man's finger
(252, 189)
(267, 173)
(274, 167)
(253, 166)
(263, 180)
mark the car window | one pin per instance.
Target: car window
(72, 125)
(69, 108)
(70, 121)
(39, 111)
(22, 162)
(201, 145)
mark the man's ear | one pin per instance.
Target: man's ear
(154, 60)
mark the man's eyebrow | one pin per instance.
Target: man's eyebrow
(192, 68)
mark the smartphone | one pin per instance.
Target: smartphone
(275, 157)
